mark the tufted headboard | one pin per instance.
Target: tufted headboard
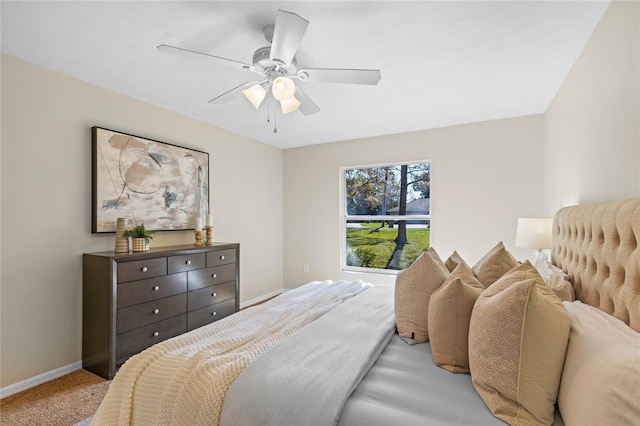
(598, 246)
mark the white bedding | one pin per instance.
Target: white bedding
(182, 381)
(306, 379)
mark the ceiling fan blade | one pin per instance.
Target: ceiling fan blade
(192, 53)
(339, 75)
(230, 94)
(307, 107)
(287, 34)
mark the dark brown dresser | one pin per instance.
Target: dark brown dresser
(131, 301)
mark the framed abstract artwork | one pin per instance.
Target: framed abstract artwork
(160, 185)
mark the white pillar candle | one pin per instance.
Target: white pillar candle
(198, 224)
(209, 220)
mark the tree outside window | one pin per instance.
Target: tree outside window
(387, 213)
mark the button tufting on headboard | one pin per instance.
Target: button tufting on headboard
(597, 245)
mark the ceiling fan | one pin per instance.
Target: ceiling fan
(276, 67)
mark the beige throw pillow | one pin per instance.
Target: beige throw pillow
(601, 378)
(494, 264)
(453, 261)
(450, 309)
(517, 343)
(436, 257)
(413, 289)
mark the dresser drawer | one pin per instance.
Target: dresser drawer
(150, 312)
(209, 314)
(211, 276)
(221, 257)
(209, 295)
(134, 341)
(134, 292)
(141, 269)
(187, 262)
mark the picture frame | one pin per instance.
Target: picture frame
(158, 184)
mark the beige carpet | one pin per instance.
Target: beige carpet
(61, 402)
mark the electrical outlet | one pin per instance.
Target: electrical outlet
(305, 269)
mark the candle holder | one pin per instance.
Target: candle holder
(122, 242)
(198, 235)
(209, 231)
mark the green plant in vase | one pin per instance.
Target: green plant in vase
(140, 237)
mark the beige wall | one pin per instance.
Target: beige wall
(484, 176)
(46, 206)
(592, 127)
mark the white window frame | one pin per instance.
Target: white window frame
(344, 217)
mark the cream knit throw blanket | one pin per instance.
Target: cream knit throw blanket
(183, 381)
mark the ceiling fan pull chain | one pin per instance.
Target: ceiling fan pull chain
(275, 120)
(268, 112)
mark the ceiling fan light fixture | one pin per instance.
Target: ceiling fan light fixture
(255, 94)
(283, 88)
(289, 105)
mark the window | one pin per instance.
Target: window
(386, 216)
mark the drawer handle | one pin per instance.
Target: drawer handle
(144, 269)
(222, 257)
(156, 288)
(188, 262)
(214, 276)
(213, 314)
(156, 334)
(156, 311)
(214, 294)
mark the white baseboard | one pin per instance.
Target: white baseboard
(39, 379)
(259, 299)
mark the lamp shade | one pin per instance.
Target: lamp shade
(534, 232)
(283, 88)
(289, 105)
(255, 94)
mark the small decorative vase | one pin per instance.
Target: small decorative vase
(140, 244)
(122, 242)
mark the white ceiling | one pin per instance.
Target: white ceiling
(442, 63)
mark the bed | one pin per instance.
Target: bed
(352, 353)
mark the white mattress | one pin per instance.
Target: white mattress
(405, 387)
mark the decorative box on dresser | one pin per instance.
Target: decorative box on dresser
(133, 300)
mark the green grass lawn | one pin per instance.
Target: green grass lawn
(374, 249)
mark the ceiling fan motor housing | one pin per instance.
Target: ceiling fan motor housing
(262, 61)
